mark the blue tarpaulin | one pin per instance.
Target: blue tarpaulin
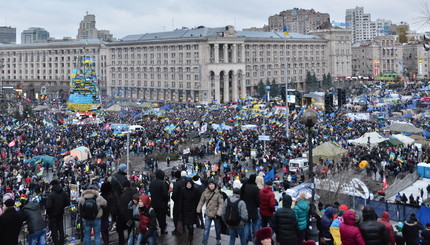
(426, 134)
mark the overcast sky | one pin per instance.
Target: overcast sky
(61, 17)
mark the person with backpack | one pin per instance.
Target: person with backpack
(235, 215)
(91, 204)
(35, 223)
(56, 201)
(214, 202)
(147, 221)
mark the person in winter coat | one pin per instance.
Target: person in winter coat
(267, 204)
(301, 210)
(201, 188)
(335, 225)
(10, 223)
(135, 234)
(259, 180)
(385, 219)
(177, 187)
(425, 234)
(374, 232)
(285, 223)
(125, 215)
(107, 193)
(150, 236)
(349, 232)
(326, 222)
(56, 201)
(35, 223)
(160, 198)
(250, 194)
(95, 224)
(188, 201)
(411, 230)
(236, 230)
(214, 202)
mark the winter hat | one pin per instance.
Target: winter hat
(369, 213)
(269, 182)
(413, 217)
(263, 233)
(236, 191)
(92, 187)
(9, 203)
(343, 207)
(211, 181)
(286, 201)
(122, 167)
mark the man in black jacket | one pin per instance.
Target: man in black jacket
(125, 215)
(35, 222)
(285, 223)
(251, 196)
(160, 198)
(411, 230)
(10, 223)
(374, 232)
(177, 186)
(55, 203)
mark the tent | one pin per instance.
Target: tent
(43, 160)
(114, 108)
(391, 142)
(372, 138)
(82, 152)
(404, 139)
(405, 127)
(328, 150)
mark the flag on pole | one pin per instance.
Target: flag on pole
(12, 143)
(270, 175)
(285, 30)
(384, 183)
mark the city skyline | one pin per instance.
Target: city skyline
(126, 18)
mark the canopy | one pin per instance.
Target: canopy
(371, 137)
(392, 142)
(404, 139)
(405, 127)
(328, 150)
(82, 152)
(43, 160)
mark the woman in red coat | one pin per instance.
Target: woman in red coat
(349, 232)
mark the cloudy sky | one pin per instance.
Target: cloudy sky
(61, 17)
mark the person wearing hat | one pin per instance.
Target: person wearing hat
(10, 223)
(267, 204)
(374, 232)
(285, 223)
(117, 180)
(411, 230)
(263, 236)
(326, 222)
(301, 210)
(56, 202)
(236, 229)
(35, 222)
(92, 193)
(349, 232)
(188, 201)
(335, 225)
(385, 219)
(214, 202)
(250, 194)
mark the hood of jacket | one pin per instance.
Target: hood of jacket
(385, 216)
(261, 174)
(349, 217)
(369, 213)
(267, 189)
(286, 201)
(32, 206)
(57, 188)
(90, 193)
(190, 181)
(159, 174)
(329, 212)
(303, 205)
(146, 201)
(251, 179)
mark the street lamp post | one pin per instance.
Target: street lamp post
(310, 118)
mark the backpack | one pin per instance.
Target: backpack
(144, 221)
(232, 215)
(89, 209)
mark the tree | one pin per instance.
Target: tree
(327, 82)
(261, 89)
(311, 82)
(275, 89)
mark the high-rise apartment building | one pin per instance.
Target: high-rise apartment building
(34, 35)
(7, 34)
(363, 28)
(297, 20)
(87, 30)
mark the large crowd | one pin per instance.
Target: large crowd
(123, 201)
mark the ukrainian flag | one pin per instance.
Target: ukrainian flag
(285, 30)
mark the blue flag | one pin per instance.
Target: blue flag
(270, 175)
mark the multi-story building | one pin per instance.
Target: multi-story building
(363, 28)
(202, 64)
(339, 54)
(416, 60)
(33, 35)
(7, 34)
(87, 30)
(297, 20)
(381, 55)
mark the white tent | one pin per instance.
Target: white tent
(373, 138)
(404, 139)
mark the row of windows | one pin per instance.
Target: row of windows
(281, 46)
(157, 55)
(155, 48)
(157, 84)
(153, 76)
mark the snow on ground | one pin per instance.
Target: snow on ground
(413, 189)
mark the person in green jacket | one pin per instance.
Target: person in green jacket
(301, 210)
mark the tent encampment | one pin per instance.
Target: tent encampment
(405, 139)
(405, 127)
(328, 150)
(372, 138)
(391, 142)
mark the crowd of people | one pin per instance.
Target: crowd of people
(121, 199)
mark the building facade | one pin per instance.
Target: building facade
(297, 20)
(201, 65)
(33, 35)
(416, 60)
(381, 55)
(87, 30)
(7, 35)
